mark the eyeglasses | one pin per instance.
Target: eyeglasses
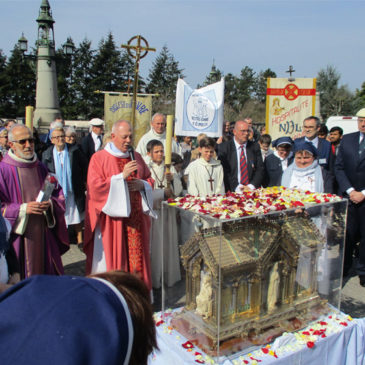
(58, 137)
(24, 141)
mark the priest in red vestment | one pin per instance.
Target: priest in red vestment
(39, 234)
(118, 208)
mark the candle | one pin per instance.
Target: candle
(29, 117)
(169, 123)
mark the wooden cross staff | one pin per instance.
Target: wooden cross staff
(137, 51)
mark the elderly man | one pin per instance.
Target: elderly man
(241, 160)
(350, 175)
(311, 128)
(69, 164)
(118, 205)
(158, 132)
(93, 141)
(39, 233)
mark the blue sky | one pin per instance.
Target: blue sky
(260, 34)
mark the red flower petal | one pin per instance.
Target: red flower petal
(310, 344)
(265, 350)
(187, 345)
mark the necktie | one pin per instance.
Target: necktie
(362, 145)
(243, 168)
(100, 143)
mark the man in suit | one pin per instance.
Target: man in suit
(93, 141)
(311, 128)
(241, 160)
(350, 175)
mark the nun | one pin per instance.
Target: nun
(305, 173)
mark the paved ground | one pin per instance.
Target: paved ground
(352, 299)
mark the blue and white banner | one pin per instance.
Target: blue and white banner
(200, 110)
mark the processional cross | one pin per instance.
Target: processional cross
(137, 52)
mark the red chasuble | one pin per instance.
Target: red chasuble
(125, 240)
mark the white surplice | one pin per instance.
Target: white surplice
(200, 172)
(164, 241)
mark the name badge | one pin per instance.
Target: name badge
(322, 161)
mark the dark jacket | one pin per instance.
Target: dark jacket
(350, 166)
(274, 170)
(78, 166)
(88, 146)
(227, 154)
(324, 151)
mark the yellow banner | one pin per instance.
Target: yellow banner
(288, 103)
(117, 107)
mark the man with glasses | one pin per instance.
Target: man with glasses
(241, 160)
(69, 164)
(39, 234)
(311, 128)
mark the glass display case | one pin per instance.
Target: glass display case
(231, 285)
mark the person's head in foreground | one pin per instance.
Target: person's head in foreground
(304, 154)
(102, 319)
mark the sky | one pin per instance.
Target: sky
(310, 35)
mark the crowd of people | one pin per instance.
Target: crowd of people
(110, 195)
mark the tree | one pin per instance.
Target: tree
(109, 72)
(19, 84)
(214, 76)
(66, 91)
(81, 80)
(261, 84)
(3, 81)
(359, 101)
(334, 100)
(162, 79)
(245, 86)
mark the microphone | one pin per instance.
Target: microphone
(131, 153)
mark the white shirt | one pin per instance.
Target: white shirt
(238, 151)
(97, 141)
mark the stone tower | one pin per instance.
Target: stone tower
(47, 104)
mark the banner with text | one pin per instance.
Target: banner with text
(200, 110)
(288, 103)
(118, 107)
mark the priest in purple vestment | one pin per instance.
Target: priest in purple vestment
(39, 233)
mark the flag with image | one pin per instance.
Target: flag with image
(199, 110)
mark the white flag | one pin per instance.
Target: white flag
(200, 110)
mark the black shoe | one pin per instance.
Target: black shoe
(80, 246)
(362, 280)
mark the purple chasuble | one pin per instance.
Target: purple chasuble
(39, 249)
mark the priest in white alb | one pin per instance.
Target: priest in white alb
(118, 208)
(164, 229)
(158, 132)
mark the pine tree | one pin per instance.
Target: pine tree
(20, 83)
(66, 92)
(3, 89)
(82, 62)
(109, 72)
(162, 79)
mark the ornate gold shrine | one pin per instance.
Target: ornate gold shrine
(250, 282)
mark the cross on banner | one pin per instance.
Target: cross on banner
(137, 52)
